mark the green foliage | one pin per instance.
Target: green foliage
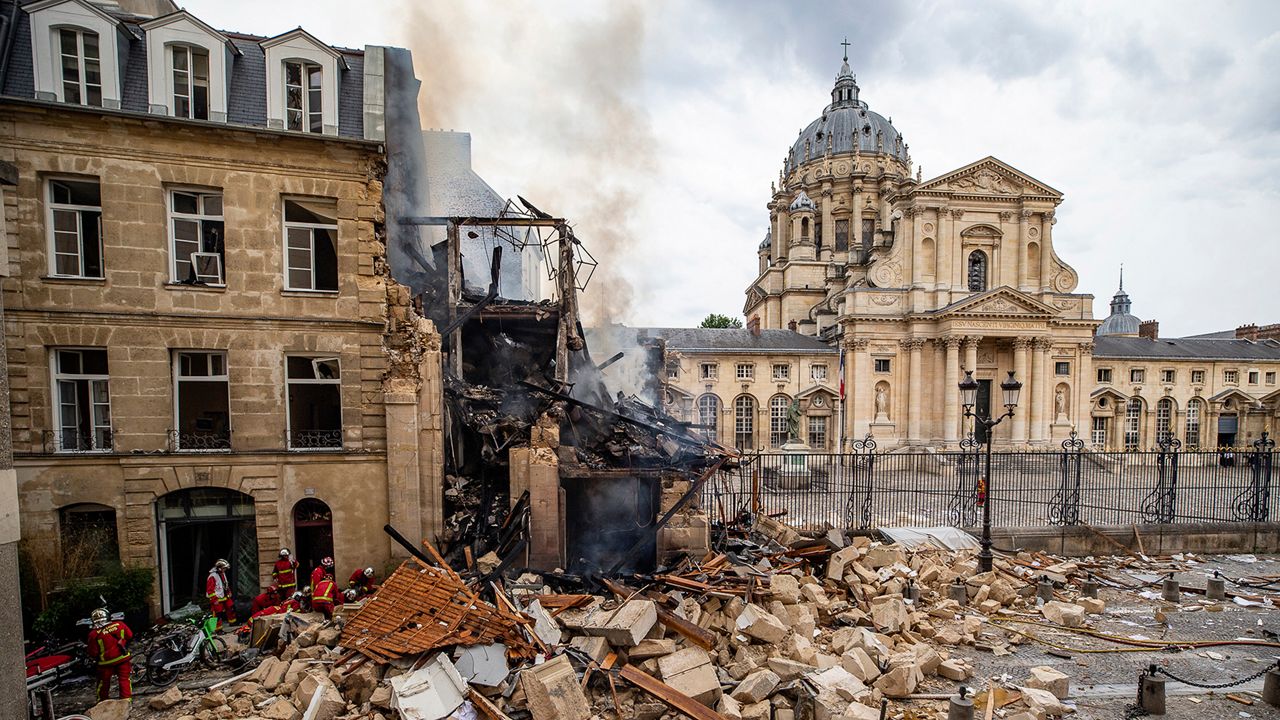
(716, 320)
(126, 590)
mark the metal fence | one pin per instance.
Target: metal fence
(1068, 485)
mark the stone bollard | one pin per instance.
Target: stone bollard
(1044, 590)
(1170, 590)
(1271, 688)
(961, 706)
(959, 592)
(1151, 694)
(1215, 588)
(1089, 587)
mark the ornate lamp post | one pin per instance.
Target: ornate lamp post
(1011, 388)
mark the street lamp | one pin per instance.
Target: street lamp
(1010, 388)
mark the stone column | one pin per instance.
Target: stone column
(957, 254)
(950, 392)
(1024, 272)
(1081, 418)
(915, 395)
(12, 670)
(971, 344)
(828, 227)
(1020, 347)
(858, 385)
(917, 267)
(1040, 391)
(1046, 252)
(855, 221)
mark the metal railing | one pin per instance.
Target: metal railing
(199, 440)
(76, 441)
(315, 440)
(1067, 485)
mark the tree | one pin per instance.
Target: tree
(716, 320)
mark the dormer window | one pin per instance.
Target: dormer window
(303, 94)
(81, 66)
(190, 82)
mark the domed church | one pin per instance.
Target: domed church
(920, 281)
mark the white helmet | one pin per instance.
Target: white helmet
(222, 564)
(350, 595)
(368, 572)
(284, 552)
(98, 617)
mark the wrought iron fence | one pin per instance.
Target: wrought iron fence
(1068, 485)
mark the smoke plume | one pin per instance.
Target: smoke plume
(553, 97)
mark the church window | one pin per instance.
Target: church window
(977, 271)
(781, 372)
(709, 413)
(804, 228)
(1197, 377)
(746, 371)
(1231, 377)
(883, 365)
(744, 422)
(1164, 418)
(708, 371)
(818, 373)
(868, 237)
(779, 407)
(1099, 432)
(1062, 368)
(817, 233)
(1137, 375)
(818, 432)
(1133, 424)
(842, 235)
(1193, 424)
(1104, 375)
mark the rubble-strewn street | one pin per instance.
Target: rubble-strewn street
(813, 628)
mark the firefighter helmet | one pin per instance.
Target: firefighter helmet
(98, 617)
(222, 564)
(284, 552)
(327, 562)
(368, 572)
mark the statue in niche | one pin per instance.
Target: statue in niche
(1060, 403)
(882, 403)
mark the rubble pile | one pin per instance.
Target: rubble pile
(763, 632)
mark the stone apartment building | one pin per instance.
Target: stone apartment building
(208, 357)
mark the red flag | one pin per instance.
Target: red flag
(842, 374)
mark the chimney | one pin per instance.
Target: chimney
(1149, 329)
(1247, 332)
(754, 325)
(1269, 332)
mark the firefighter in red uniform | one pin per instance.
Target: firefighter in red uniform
(324, 595)
(324, 568)
(218, 590)
(109, 645)
(285, 573)
(363, 582)
(289, 605)
(270, 596)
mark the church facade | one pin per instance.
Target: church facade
(919, 281)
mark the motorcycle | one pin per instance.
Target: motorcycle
(192, 642)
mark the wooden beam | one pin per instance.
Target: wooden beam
(670, 696)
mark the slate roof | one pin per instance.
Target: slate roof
(1185, 348)
(247, 99)
(737, 340)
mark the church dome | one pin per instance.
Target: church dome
(1120, 321)
(768, 240)
(845, 122)
(802, 202)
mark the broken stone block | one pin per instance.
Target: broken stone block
(927, 659)
(213, 699)
(838, 680)
(953, 670)
(859, 663)
(789, 669)
(1042, 703)
(1002, 592)
(883, 555)
(544, 626)
(898, 682)
(757, 711)
(552, 691)
(989, 607)
(761, 625)
(839, 560)
(1093, 606)
(690, 671)
(651, 649)
(1047, 678)
(1062, 613)
(597, 648)
(625, 626)
(381, 697)
(281, 709)
(488, 562)
(730, 708)
(814, 593)
(166, 699)
(756, 687)
(241, 706)
(784, 588)
(889, 613)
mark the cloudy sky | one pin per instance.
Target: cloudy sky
(656, 127)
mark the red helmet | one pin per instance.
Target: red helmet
(327, 562)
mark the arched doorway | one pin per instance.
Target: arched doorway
(313, 533)
(197, 527)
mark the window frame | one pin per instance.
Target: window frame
(190, 50)
(1062, 368)
(51, 208)
(712, 412)
(745, 408)
(307, 114)
(1192, 423)
(1134, 409)
(809, 431)
(1168, 376)
(1137, 376)
(200, 218)
(1100, 377)
(888, 365)
(813, 374)
(782, 372)
(286, 225)
(1230, 377)
(778, 421)
(1253, 377)
(288, 414)
(57, 377)
(1269, 377)
(176, 371)
(750, 371)
(1197, 377)
(1098, 432)
(708, 371)
(82, 83)
(1165, 412)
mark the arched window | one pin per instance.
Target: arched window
(709, 414)
(744, 422)
(1193, 423)
(977, 271)
(1164, 420)
(1133, 424)
(778, 432)
(804, 228)
(80, 65)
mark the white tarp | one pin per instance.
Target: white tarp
(431, 692)
(948, 538)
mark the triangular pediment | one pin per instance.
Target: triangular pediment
(1108, 392)
(182, 17)
(988, 176)
(816, 390)
(1003, 301)
(1236, 394)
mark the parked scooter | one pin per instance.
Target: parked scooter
(192, 642)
